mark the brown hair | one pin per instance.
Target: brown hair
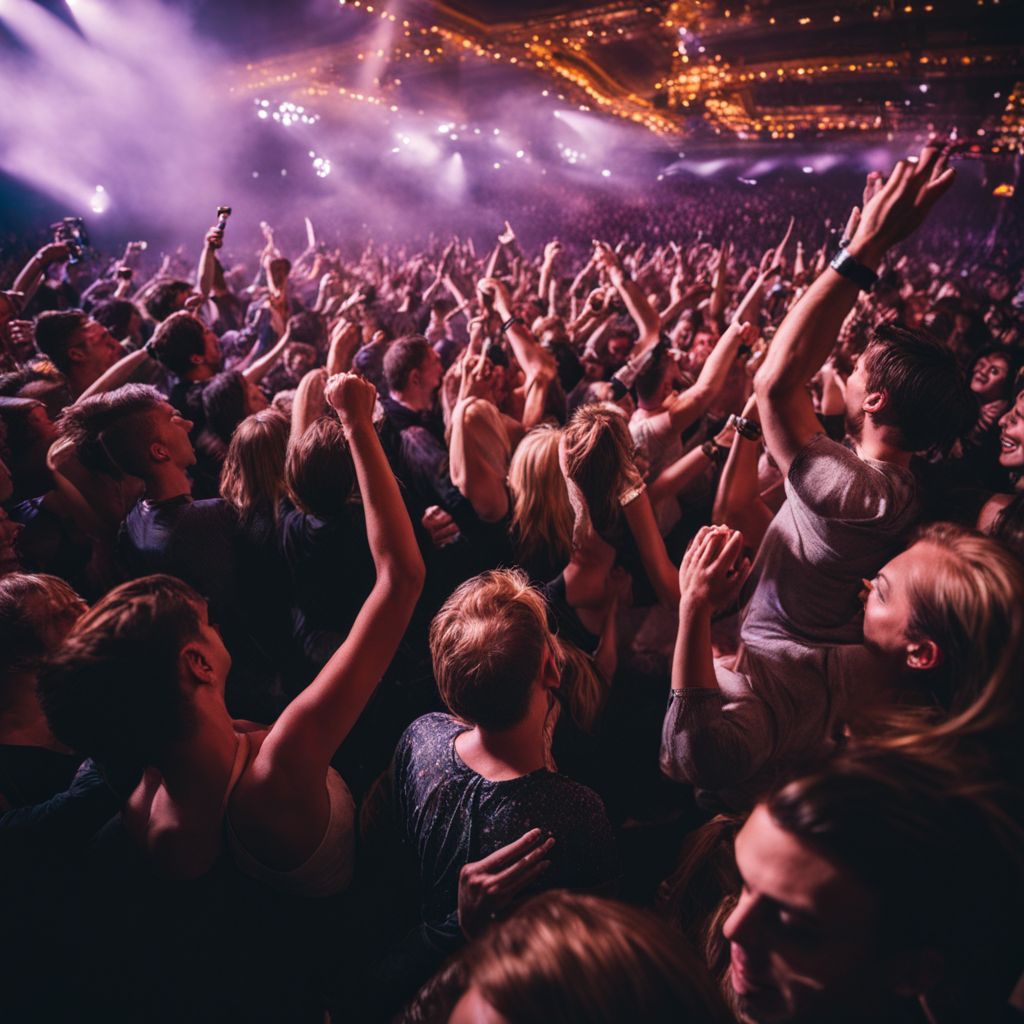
(112, 690)
(599, 454)
(253, 473)
(36, 611)
(965, 599)
(319, 473)
(566, 957)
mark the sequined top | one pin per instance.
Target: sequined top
(450, 816)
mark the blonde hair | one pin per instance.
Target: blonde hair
(966, 601)
(542, 518)
(487, 642)
(253, 473)
(599, 454)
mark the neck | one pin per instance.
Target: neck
(412, 400)
(206, 755)
(876, 445)
(500, 755)
(201, 371)
(79, 378)
(168, 482)
(22, 722)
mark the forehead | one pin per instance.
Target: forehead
(775, 864)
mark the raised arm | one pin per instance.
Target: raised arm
(294, 758)
(31, 275)
(207, 271)
(808, 333)
(255, 372)
(531, 357)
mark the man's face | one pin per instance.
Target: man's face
(856, 391)
(211, 349)
(93, 347)
(431, 372)
(172, 432)
(802, 937)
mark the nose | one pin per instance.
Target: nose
(740, 925)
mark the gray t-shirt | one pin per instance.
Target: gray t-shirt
(844, 517)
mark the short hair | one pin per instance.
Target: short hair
(112, 690)
(36, 610)
(253, 475)
(54, 331)
(165, 299)
(649, 380)
(109, 430)
(402, 357)
(928, 401)
(116, 315)
(486, 643)
(564, 957)
(225, 403)
(319, 472)
(308, 328)
(177, 339)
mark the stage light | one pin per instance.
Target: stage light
(606, 173)
(99, 200)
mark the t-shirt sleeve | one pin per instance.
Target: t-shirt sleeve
(835, 483)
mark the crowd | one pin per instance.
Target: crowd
(621, 631)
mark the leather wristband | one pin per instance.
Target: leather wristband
(863, 277)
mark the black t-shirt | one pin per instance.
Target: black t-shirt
(450, 816)
(330, 572)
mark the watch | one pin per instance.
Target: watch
(863, 277)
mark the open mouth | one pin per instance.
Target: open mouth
(1008, 444)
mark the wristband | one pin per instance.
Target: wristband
(628, 497)
(511, 321)
(747, 429)
(863, 277)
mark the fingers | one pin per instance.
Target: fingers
(512, 876)
(504, 855)
(730, 554)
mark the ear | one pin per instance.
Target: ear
(923, 654)
(159, 453)
(197, 358)
(76, 354)
(550, 675)
(195, 666)
(875, 402)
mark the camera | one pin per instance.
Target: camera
(70, 231)
(223, 212)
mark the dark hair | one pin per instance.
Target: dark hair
(308, 327)
(165, 299)
(105, 429)
(225, 404)
(177, 339)
(54, 331)
(1008, 528)
(116, 315)
(402, 357)
(566, 957)
(649, 380)
(35, 611)
(928, 843)
(319, 473)
(928, 401)
(112, 690)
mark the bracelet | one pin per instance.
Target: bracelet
(628, 497)
(511, 321)
(750, 430)
(853, 270)
(715, 452)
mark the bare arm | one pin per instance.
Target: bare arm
(31, 275)
(258, 370)
(293, 760)
(809, 331)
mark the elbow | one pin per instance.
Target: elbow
(769, 385)
(404, 580)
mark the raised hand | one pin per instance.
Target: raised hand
(440, 527)
(894, 210)
(552, 251)
(508, 236)
(488, 886)
(713, 568)
(353, 398)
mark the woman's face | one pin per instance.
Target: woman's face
(887, 601)
(990, 377)
(1011, 437)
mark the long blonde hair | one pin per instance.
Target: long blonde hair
(542, 517)
(253, 473)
